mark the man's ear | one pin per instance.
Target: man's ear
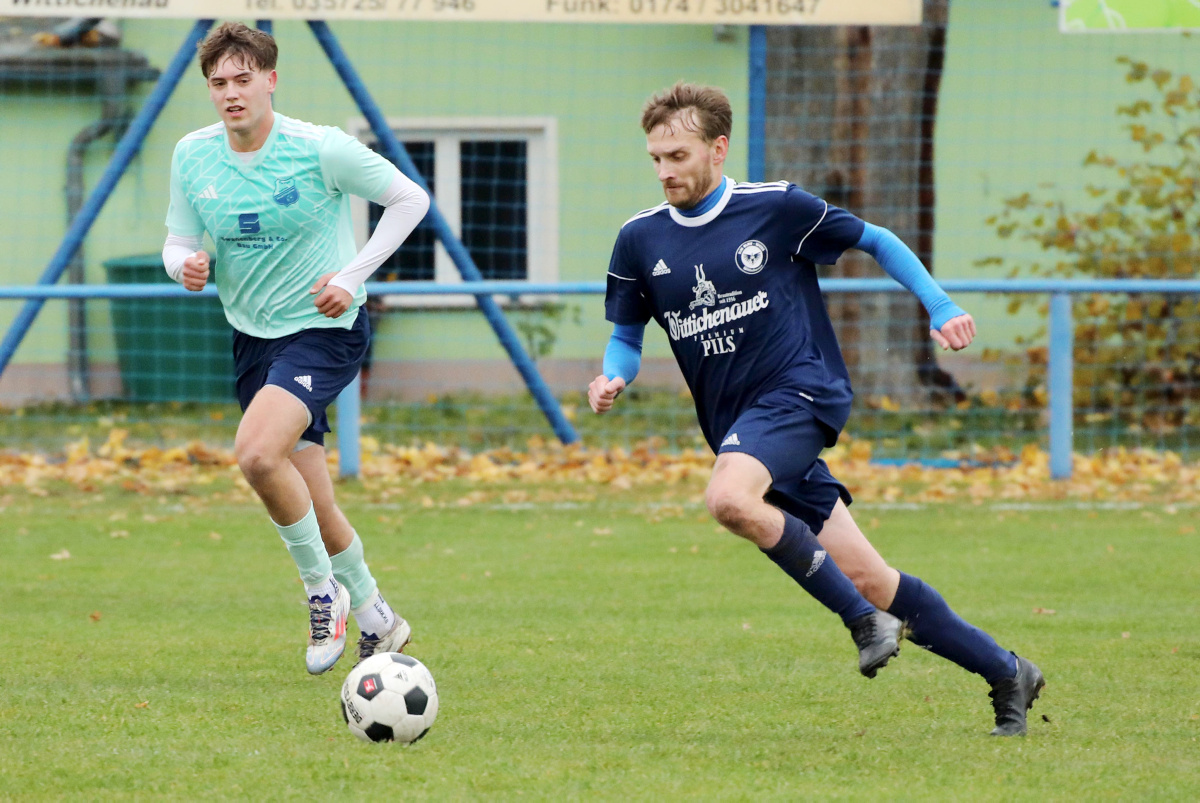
(720, 150)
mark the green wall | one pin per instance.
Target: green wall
(1021, 106)
(593, 79)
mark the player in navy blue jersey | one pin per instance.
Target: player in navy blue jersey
(728, 270)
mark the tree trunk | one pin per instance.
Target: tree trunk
(850, 117)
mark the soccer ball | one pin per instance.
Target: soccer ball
(389, 697)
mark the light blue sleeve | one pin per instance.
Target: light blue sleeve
(348, 166)
(899, 262)
(623, 357)
(182, 218)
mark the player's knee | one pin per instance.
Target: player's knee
(728, 506)
(255, 460)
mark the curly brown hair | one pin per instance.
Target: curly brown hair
(246, 45)
(703, 109)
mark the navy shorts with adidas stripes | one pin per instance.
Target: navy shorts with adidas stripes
(787, 438)
(314, 365)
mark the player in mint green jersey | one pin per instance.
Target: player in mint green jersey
(272, 193)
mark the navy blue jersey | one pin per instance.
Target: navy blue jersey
(736, 291)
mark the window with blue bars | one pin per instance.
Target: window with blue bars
(492, 208)
(412, 261)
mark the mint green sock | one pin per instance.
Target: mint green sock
(303, 541)
(350, 570)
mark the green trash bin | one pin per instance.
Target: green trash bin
(170, 349)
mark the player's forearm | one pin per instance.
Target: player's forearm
(405, 204)
(176, 250)
(623, 356)
(899, 262)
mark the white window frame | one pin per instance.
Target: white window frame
(541, 193)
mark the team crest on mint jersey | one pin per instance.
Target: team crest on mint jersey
(751, 257)
(706, 291)
(286, 193)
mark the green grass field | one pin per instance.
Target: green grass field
(590, 647)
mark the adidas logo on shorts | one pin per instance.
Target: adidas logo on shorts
(660, 269)
(305, 382)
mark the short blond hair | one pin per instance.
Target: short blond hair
(703, 109)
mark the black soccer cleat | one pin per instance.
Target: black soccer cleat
(877, 636)
(1013, 697)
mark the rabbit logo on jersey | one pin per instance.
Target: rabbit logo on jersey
(751, 257)
(717, 310)
(706, 291)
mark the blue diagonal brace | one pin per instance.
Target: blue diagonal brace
(126, 150)
(395, 151)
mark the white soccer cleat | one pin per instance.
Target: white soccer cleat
(326, 631)
(393, 641)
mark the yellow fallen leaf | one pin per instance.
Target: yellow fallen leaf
(63, 555)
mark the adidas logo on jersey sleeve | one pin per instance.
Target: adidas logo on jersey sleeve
(304, 382)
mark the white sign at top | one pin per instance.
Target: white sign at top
(709, 12)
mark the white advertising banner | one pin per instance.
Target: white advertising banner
(709, 12)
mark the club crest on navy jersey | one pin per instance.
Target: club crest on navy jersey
(286, 193)
(751, 257)
(706, 291)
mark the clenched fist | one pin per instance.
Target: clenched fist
(195, 271)
(956, 333)
(331, 302)
(603, 392)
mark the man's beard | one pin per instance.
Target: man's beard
(692, 203)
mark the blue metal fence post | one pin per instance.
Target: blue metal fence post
(756, 158)
(1061, 385)
(349, 425)
(454, 247)
(126, 149)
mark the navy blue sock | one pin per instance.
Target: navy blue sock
(940, 630)
(799, 554)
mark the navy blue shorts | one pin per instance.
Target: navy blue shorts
(787, 438)
(314, 365)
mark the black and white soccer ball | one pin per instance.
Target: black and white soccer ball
(390, 697)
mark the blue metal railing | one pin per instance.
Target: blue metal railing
(1061, 330)
(513, 288)
(756, 128)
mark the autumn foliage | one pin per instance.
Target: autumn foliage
(522, 475)
(1137, 357)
